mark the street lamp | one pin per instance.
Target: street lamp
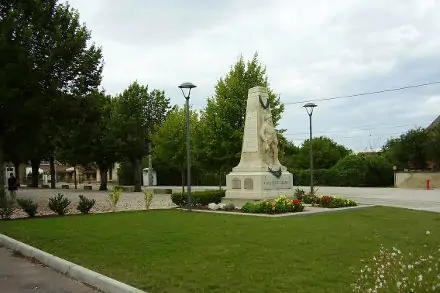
(309, 108)
(186, 91)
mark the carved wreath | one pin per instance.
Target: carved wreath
(265, 106)
(276, 173)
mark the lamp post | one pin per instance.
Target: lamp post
(186, 91)
(309, 108)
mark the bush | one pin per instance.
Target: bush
(6, 206)
(310, 199)
(59, 204)
(353, 170)
(327, 201)
(114, 197)
(279, 205)
(85, 204)
(28, 206)
(202, 198)
(299, 193)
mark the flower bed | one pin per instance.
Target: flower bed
(279, 205)
(325, 201)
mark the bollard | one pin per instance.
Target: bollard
(427, 184)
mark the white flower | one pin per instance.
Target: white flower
(398, 284)
(427, 232)
(420, 278)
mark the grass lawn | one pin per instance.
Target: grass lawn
(176, 251)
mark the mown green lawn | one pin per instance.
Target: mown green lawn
(177, 251)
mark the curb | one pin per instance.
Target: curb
(298, 214)
(68, 268)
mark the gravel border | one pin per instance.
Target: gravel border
(68, 268)
(313, 212)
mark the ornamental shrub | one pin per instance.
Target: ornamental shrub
(114, 197)
(148, 197)
(299, 193)
(202, 198)
(327, 201)
(353, 170)
(59, 204)
(85, 204)
(28, 206)
(279, 205)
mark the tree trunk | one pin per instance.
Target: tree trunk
(137, 175)
(35, 175)
(219, 180)
(17, 171)
(53, 178)
(103, 172)
(75, 180)
(2, 170)
(183, 180)
(150, 166)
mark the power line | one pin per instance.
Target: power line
(366, 93)
(350, 130)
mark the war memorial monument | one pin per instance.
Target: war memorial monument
(259, 175)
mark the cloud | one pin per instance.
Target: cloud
(311, 50)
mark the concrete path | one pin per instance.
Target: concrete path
(21, 275)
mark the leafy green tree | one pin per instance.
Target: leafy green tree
(223, 118)
(91, 139)
(138, 113)
(48, 62)
(326, 153)
(170, 140)
(287, 151)
(410, 150)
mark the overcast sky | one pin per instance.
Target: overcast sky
(311, 49)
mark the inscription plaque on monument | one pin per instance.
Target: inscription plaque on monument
(272, 182)
(248, 183)
(236, 183)
(250, 142)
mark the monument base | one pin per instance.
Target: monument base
(242, 187)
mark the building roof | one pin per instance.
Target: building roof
(435, 122)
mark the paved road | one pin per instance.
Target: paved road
(20, 275)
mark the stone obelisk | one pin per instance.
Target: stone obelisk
(259, 175)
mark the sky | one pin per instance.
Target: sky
(311, 50)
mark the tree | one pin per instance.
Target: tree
(48, 64)
(170, 140)
(326, 153)
(223, 118)
(433, 149)
(138, 112)
(287, 152)
(91, 138)
(409, 150)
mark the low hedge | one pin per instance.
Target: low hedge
(353, 170)
(198, 197)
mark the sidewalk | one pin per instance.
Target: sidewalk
(21, 275)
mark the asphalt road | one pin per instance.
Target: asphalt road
(21, 275)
